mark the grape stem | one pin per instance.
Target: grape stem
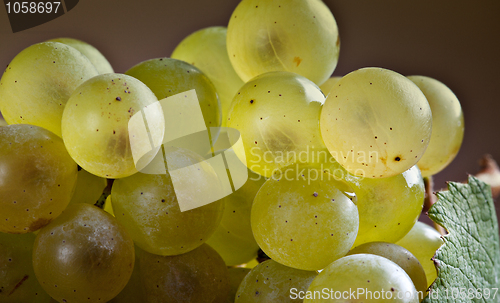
(105, 193)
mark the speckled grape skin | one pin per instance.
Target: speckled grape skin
(399, 255)
(303, 223)
(271, 282)
(277, 115)
(37, 178)
(447, 125)
(197, 276)
(17, 279)
(167, 77)
(363, 271)
(423, 241)
(236, 276)
(37, 83)
(148, 208)
(388, 207)
(376, 123)
(84, 255)
(329, 84)
(234, 239)
(299, 36)
(98, 60)
(95, 123)
(206, 49)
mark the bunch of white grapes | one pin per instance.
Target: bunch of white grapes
(335, 171)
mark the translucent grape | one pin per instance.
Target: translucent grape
(95, 123)
(206, 49)
(167, 77)
(236, 276)
(134, 290)
(3, 122)
(388, 207)
(17, 280)
(98, 60)
(447, 125)
(83, 256)
(147, 206)
(37, 177)
(277, 116)
(108, 206)
(88, 188)
(423, 241)
(272, 282)
(197, 276)
(38, 82)
(302, 221)
(364, 278)
(376, 123)
(299, 36)
(399, 255)
(329, 84)
(233, 239)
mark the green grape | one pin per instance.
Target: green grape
(376, 123)
(299, 36)
(329, 84)
(272, 282)
(37, 178)
(83, 256)
(197, 276)
(206, 49)
(277, 116)
(147, 206)
(304, 221)
(236, 276)
(37, 83)
(252, 264)
(134, 290)
(108, 206)
(447, 125)
(88, 188)
(388, 207)
(2, 121)
(399, 255)
(362, 278)
(423, 241)
(98, 60)
(95, 123)
(167, 77)
(233, 239)
(18, 283)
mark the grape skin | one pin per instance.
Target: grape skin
(37, 83)
(363, 271)
(83, 256)
(299, 36)
(271, 282)
(37, 178)
(206, 49)
(423, 241)
(328, 85)
(98, 60)
(277, 116)
(95, 123)
(303, 223)
(88, 188)
(17, 279)
(376, 123)
(447, 125)
(236, 276)
(399, 255)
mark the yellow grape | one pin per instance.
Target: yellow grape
(89, 188)
(37, 83)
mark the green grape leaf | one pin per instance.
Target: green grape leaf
(469, 261)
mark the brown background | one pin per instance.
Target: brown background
(455, 41)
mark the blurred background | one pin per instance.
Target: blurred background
(454, 41)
